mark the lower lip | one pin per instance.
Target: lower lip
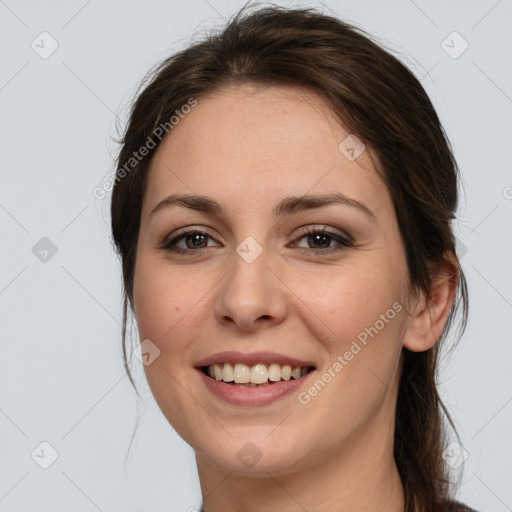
(263, 395)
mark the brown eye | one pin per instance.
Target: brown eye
(187, 242)
(196, 240)
(320, 239)
(323, 238)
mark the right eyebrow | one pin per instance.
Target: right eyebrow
(290, 204)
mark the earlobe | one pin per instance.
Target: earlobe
(429, 315)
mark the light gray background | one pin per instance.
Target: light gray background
(61, 374)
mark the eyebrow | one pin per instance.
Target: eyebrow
(288, 205)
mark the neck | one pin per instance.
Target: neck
(358, 476)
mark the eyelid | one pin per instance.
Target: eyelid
(319, 228)
(343, 239)
(183, 232)
(304, 230)
(188, 230)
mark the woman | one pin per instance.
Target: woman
(282, 208)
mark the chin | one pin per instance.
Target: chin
(253, 450)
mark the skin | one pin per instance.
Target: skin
(248, 147)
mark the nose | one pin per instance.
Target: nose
(252, 296)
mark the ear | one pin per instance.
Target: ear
(429, 314)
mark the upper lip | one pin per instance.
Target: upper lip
(252, 359)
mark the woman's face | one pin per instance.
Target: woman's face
(256, 280)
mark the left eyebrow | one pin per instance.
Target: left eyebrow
(290, 204)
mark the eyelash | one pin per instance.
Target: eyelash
(344, 242)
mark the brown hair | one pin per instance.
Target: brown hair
(379, 100)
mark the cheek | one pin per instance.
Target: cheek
(340, 307)
(166, 307)
(162, 296)
(357, 316)
(358, 320)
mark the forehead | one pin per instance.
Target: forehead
(250, 143)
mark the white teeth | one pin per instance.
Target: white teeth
(242, 373)
(228, 373)
(274, 372)
(259, 374)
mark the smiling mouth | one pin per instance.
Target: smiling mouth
(258, 375)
